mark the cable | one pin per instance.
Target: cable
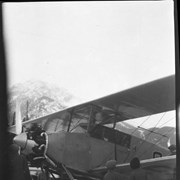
(151, 131)
(155, 126)
(141, 124)
(160, 127)
(158, 140)
(133, 133)
(166, 122)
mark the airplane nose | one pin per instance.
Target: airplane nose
(21, 140)
(25, 143)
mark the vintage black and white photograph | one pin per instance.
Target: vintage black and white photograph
(91, 90)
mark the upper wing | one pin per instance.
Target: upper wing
(147, 99)
(158, 168)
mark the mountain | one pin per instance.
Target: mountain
(164, 136)
(38, 98)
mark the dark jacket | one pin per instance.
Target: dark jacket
(18, 166)
(138, 174)
(113, 175)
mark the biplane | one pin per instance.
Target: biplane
(77, 142)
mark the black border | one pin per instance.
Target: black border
(3, 94)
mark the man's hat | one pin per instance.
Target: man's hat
(111, 164)
(172, 147)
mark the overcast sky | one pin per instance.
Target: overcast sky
(90, 48)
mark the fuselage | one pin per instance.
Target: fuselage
(81, 139)
(85, 152)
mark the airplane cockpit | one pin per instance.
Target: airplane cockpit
(79, 120)
(90, 119)
(85, 119)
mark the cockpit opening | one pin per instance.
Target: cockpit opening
(90, 119)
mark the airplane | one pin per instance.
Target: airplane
(78, 141)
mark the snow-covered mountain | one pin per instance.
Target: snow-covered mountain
(164, 136)
(38, 98)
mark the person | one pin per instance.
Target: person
(112, 174)
(172, 149)
(34, 133)
(18, 165)
(137, 172)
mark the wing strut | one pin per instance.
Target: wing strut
(115, 144)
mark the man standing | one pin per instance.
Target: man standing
(18, 166)
(137, 171)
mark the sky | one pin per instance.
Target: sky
(92, 49)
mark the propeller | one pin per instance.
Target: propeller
(18, 118)
(21, 138)
(26, 144)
